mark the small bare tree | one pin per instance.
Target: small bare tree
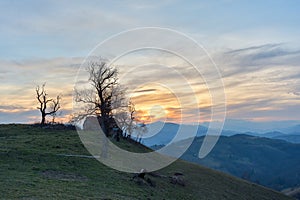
(125, 119)
(131, 125)
(48, 106)
(122, 121)
(141, 129)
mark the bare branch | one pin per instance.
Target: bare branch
(100, 98)
(43, 100)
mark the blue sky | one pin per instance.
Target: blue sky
(254, 43)
(39, 29)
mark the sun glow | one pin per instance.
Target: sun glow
(154, 102)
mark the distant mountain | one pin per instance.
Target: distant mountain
(160, 133)
(269, 162)
(277, 135)
(272, 134)
(239, 125)
(289, 138)
(229, 132)
(293, 130)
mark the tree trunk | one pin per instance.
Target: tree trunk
(43, 119)
(103, 125)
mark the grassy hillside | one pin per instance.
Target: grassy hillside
(31, 168)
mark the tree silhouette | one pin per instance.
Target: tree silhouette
(126, 120)
(48, 106)
(100, 100)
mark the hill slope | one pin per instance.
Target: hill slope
(31, 168)
(272, 163)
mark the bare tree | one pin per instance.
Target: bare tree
(141, 129)
(125, 119)
(48, 106)
(100, 99)
(131, 125)
(122, 121)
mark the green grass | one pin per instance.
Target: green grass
(31, 169)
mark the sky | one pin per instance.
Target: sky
(255, 45)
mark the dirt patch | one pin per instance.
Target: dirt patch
(59, 175)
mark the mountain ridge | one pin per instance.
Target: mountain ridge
(273, 163)
(167, 132)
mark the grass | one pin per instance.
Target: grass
(30, 168)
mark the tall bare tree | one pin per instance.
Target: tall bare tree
(47, 106)
(101, 97)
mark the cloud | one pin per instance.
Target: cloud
(260, 81)
(252, 89)
(145, 90)
(53, 29)
(47, 41)
(28, 116)
(294, 93)
(253, 48)
(17, 90)
(11, 108)
(264, 55)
